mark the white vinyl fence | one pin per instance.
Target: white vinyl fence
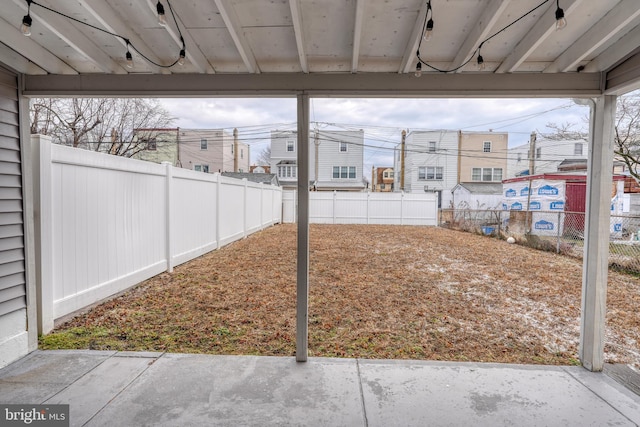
(365, 208)
(105, 223)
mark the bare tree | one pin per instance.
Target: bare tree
(627, 133)
(626, 140)
(119, 126)
(264, 158)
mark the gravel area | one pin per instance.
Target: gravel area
(375, 292)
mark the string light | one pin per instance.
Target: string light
(561, 21)
(428, 31)
(27, 21)
(418, 72)
(129, 57)
(162, 20)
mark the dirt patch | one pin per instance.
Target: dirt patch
(375, 292)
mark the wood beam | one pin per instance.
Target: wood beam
(346, 84)
(298, 30)
(110, 21)
(193, 53)
(624, 14)
(597, 233)
(616, 53)
(481, 30)
(12, 59)
(231, 20)
(357, 35)
(10, 35)
(65, 30)
(625, 77)
(543, 28)
(409, 58)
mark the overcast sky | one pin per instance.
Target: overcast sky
(381, 119)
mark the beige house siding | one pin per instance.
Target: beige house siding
(218, 153)
(472, 154)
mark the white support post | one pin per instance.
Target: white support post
(167, 229)
(218, 185)
(596, 245)
(43, 209)
(302, 288)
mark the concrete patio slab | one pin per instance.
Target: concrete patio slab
(445, 394)
(155, 389)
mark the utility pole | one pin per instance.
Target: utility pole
(404, 137)
(373, 178)
(532, 154)
(235, 149)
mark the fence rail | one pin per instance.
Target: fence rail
(562, 232)
(365, 208)
(105, 223)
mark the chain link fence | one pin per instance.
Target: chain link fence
(560, 232)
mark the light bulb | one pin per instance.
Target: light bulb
(162, 20)
(481, 65)
(428, 31)
(181, 59)
(418, 72)
(129, 60)
(561, 21)
(26, 25)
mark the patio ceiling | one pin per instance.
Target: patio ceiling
(356, 46)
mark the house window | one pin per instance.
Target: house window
(486, 147)
(287, 171)
(432, 146)
(577, 149)
(486, 174)
(151, 144)
(201, 168)
(344, 172)
(382, 186)
(242, 154)
(203, 144)
(519, 157)
(205, 168)
(290, 146)
(343, 147)
(430, 173)
(538, 153)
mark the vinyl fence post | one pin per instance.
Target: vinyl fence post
(246, 210)
(261, 205)
(168, 204)
(402, 208)
(368, 194)
(558, 238)
(218, 187)
(335, 194)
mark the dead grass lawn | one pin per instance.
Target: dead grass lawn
(375, 292)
